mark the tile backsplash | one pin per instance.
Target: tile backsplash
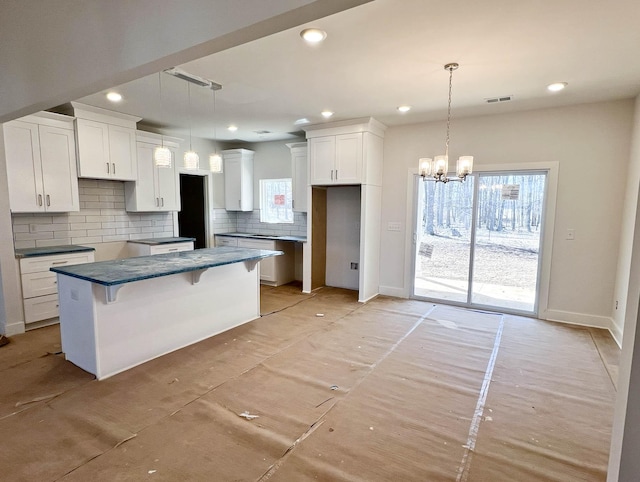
(102, 218)
(249, 222)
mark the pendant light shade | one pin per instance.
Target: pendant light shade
(162, 156)
(215, 163)
(191, 160)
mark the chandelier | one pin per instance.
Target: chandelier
(436, 169)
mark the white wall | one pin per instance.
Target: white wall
(590, 142)
(623, 462)
(343, 236)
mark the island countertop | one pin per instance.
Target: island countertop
(119, 271)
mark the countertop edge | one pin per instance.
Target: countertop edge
(52, 251)
(158, 257)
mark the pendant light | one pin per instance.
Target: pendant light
(191, 158)
(215, 160)
(161, 154)
(436, 169)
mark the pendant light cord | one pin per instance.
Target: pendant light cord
(215, 142)
(161, 109)
(446, 149)
(189, 95)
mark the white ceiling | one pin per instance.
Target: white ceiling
(391, 52)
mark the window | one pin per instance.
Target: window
(275, 201)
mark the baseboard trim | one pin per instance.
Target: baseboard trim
(582, 319)
(616, 334)
(393, 291)
(16, 328)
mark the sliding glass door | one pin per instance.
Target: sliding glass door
(478, 242)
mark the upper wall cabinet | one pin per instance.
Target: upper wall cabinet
(299, 175)
(347, 152)
(106, 143)
(238, 179)
(157, 187)
(41, 164)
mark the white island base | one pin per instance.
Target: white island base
(152, 317)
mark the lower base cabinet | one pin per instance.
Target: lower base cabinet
(39, 285)
(274, 271)
(139, 249)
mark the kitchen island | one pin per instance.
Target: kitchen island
(117, 314)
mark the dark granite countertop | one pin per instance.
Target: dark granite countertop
(157, 241)
(119, 271)
(51, 250)
(274, 237)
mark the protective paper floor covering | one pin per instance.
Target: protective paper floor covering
(390, 390)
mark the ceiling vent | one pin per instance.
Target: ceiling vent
(262, 133)
(194, 79)
(495, 100)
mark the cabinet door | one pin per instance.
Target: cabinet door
(232, 184)
(322, 152)
(348, 165)
(167, 182)
(59, 177)
(122, 153)
(93, 149)
(141, 195)
(24, 169)
(299, 179)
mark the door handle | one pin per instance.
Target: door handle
(336, 174)
(239, 203)
(48, 200)
(114, 167)
(157, 202)
(39, 199)
(332, 174)
(162, 201)
(108, 169)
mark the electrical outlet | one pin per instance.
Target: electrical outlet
(354, 265)
(571, 234)
(394, 226)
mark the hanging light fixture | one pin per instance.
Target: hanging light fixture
(161, 154)
(191, 158)
(436, 169)
(215, 160)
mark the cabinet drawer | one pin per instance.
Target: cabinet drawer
(43, 263)
(171, 248)
(226, 241)
(39, 284)
(40, 308)
(256, 243)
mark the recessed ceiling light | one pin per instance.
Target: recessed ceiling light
(299, 122)
(232, 128)
(557, 86)
(114, 96)
(404, 108)
(313, 35)
(326, 114)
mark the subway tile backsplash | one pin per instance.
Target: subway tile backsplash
(101, 219)
(249, 222)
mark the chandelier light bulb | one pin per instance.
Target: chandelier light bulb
(191, 160)
(162, 156)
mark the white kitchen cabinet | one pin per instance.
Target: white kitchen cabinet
(345, 153)
(156, 188)
(145, 249)
(106, 143)
(226, 241)
(238, 179)
(39, 285)
(299, 175)
(275, 270)
(41, 164)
